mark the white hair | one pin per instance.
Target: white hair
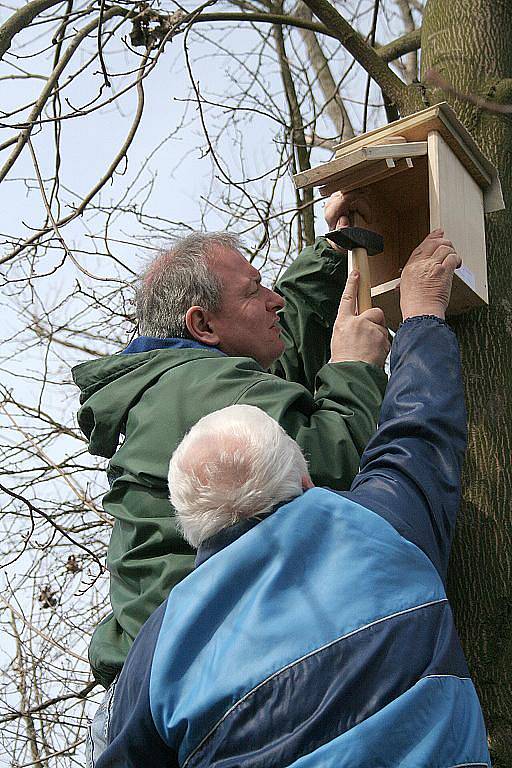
(233, 464)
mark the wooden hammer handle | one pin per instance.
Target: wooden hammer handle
(360, 262)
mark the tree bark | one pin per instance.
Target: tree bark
(469, 43)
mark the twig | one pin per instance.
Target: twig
(46, 637)
(50, 83)
(76, 490)
(211, 149)
(48, 518)
(54, 754)
(366, 56)
(431, 77)
(56, 700)
(101, 183)
(43, 333)
(100, 48)
(54, 224)
(369, 80)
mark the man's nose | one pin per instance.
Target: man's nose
(274, 301)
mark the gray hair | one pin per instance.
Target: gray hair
(233, 464)
(179, 278)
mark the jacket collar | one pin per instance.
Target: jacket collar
(149, 343)
(227, 536)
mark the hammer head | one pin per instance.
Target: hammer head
(357, 237)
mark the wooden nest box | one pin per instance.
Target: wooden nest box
(419, 173)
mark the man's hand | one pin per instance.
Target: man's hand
(338, 208)
(426, 280)
(358, 338)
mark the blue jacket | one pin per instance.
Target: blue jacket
(321, 635)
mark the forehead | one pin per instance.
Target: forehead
(228, 263)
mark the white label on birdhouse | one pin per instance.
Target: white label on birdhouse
(467, 275)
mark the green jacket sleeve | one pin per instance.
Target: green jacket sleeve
(333, 426)
(146, 558)
(312, 287)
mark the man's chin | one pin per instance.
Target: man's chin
(279, 350)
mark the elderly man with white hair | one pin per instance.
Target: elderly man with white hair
(315, 629)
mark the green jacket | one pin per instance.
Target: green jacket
(153, 398)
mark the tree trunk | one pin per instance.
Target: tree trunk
(469, 43)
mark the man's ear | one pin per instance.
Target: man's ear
(198, 325)
(307, 483)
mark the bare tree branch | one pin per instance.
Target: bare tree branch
(364, 54)
(50, 703)
(50, 640)
(334, 106)
(20, 20)
(411, 59)
(55, 225)
(23, 691)
(49, 85)
(399, 47)
(298, 137)
(282, 19)
(36, 510)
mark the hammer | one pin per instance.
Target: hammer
(362, 243)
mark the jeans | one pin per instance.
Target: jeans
(97, 736)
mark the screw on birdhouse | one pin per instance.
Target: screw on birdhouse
(72, 565)
(47, 598)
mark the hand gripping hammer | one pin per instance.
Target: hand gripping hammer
(362, 243)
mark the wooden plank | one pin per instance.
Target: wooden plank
(359, 161)
(323, 174)
(396, 151)
(456, 205)
(362, 177)
(391, 285)
(416, 127)
(387, 297)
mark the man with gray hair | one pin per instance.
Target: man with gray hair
(315, 630)
(211, 336)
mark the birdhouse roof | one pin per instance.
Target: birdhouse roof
(360, 154)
